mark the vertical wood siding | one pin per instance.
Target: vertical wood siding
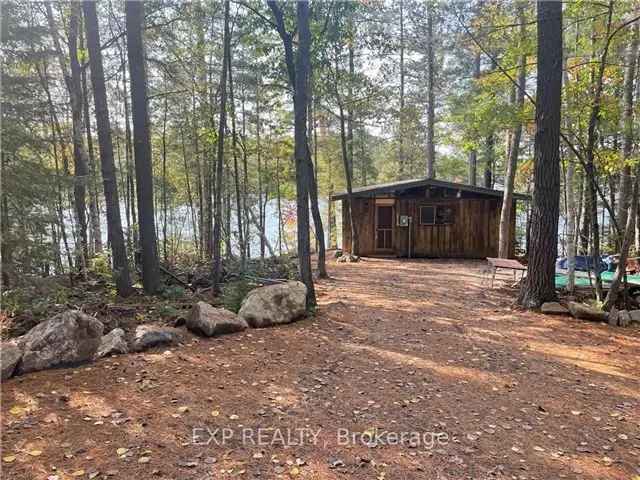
(474, 233)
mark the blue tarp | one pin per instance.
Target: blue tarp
(583, 264)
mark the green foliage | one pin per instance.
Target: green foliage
(173, 292)
(101, 266)
(234, 292)
(168, 311)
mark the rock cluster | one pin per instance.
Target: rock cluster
(73, 337)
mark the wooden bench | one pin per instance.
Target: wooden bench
(496, 264)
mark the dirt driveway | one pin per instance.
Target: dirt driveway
(409, 370)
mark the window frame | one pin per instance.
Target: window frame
(435, 214)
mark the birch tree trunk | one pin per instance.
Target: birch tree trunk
(94, 206)
(624, 192)
(507, 213)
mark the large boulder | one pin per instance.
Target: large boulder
(147, 336)
(209, 321)
(585, 312)
(634, 316)
(10, 355)
(274, 304)
(69, 338)
(553, 308)
(113, 343)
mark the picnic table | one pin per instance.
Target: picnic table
(496, 264)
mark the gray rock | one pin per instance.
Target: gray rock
(69, 338)
(348, 258)
(209, 321)
(10, 355)
(113, 343)
(634, 315)
(274, 304)
(624, 318)
(612, 317)
(553, 308)
(147, 336)
(585, 312)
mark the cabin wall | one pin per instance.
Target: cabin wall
(364, 216)
(474, 233)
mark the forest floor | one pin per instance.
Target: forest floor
(396, 347)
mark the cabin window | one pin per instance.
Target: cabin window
(437, 215)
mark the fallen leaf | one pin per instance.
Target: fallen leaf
(17, 410)
(215, 413)
(35, 453)
(121, 451)
(9, 459)
(78, 473)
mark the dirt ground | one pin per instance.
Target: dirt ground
(410, 369)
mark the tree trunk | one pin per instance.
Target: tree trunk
(539, 285)
(236, 170)
(355, 243)
(629, 233)
(192, 212)
(56, 132)
(142, 146)
(507, 213)
(217, 257)
(302, 67)
(279, 204)
(94, 206)
(165, 254)
(489, 160)
(347, 164)
(627, 127)
(6, 246)
(114, 223)
(473, 154)
(589, 160)
(401, 152)
(317, 219)
(312, 175)
(259, 158)
(431, 148)
(74, 87)
(298, 73)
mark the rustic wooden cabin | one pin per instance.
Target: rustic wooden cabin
(426, 218)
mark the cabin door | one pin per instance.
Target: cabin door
(384, 228)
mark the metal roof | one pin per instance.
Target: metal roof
(398, 187)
